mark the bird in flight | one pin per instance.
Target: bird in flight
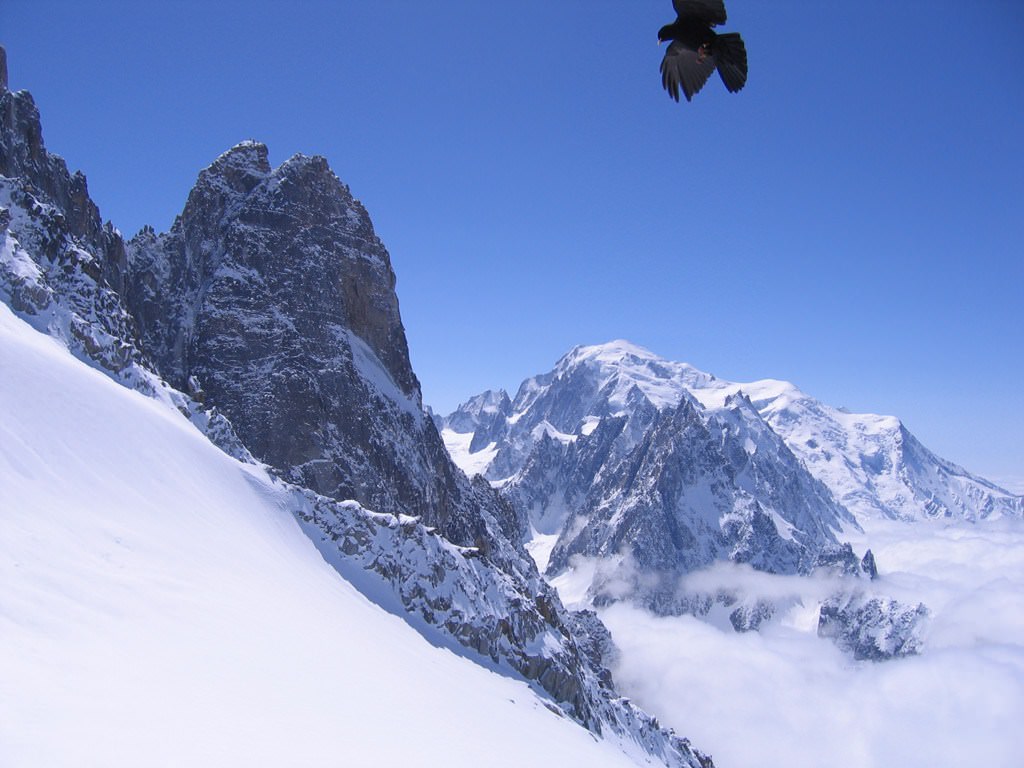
(696, 49)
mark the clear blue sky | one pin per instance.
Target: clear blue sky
(853, 221)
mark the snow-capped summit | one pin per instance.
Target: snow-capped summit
(613, 371)
(872, 464)
(612, 449)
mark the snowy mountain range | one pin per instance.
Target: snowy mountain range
(266, 319)
(655, 469)
(871, 465)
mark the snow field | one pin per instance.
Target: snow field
(160, 607)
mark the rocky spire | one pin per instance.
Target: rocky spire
(23, 155)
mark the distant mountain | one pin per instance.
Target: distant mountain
(612, 457)
(656, 469)
(267, 316)
(871, 464)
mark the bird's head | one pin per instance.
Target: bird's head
(665, 34)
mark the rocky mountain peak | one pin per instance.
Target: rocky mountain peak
(273, 292)
(22, 152)
(239, 169)
(61, 219)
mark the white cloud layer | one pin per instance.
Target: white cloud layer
(785, 697)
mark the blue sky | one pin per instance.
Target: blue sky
(852, 221)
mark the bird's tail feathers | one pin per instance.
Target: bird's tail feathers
(731, 57)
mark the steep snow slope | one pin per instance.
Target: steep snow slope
(261, 273)
(159, 606)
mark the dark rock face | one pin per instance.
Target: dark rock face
(750, 616)
(63, 269)
(44, 176)
(252, 234)
(273, 295)
(867, 565)
(842, 561)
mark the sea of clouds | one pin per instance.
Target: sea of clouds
(783, 696)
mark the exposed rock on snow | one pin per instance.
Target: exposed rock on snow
(872, 628)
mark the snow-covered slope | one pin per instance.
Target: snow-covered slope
(160, 605)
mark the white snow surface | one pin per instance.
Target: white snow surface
(622, 365)
(160, 606)
(871, 463)
(458, 444)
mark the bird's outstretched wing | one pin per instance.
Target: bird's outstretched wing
(684, 68)
(711, 12)
(731, 57)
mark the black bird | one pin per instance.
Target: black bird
(697, 49)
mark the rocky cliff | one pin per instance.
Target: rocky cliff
(272, 298)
